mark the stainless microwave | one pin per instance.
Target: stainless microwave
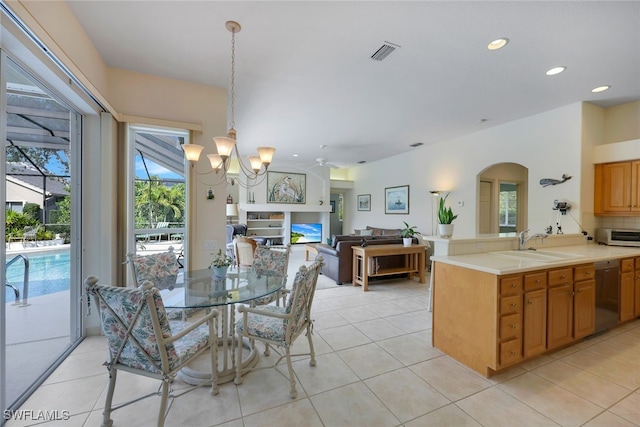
(618, 237)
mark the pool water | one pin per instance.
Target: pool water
(49, 272)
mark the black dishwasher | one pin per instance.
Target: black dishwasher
(607, 294)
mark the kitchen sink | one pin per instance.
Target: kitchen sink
(539, 256)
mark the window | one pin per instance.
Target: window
(508, 205)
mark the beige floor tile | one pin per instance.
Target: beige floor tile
(449, 416)
(299, 412)
(270, 385)
(610, 370)
(385, 309)
(368, 360)
(343, 337)
(330, 372)
(628, 408)
(80, 365)
(556, 403)
(328, 320)
(378, 329)
(582, 383)
(405, 394)
(48, 419)
(409, 350)
(413, 321)
(493, 407)
(608, 419)
(450, 378)
(358, 314)
(352, 405)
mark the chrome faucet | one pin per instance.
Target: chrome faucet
(523, 239)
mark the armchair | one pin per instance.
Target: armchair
(143, 341)
(281, 326)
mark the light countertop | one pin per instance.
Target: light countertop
(499, 264)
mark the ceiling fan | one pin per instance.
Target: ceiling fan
(322, 161)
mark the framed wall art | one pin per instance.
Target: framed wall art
(286, 187)
(396, 200)
(364, 202)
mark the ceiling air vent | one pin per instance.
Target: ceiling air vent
(416, 144)
(385, 50)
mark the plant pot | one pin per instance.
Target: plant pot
(407, 241)
(220, 272)
(445, 230)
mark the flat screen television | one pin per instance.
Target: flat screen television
(306, 232)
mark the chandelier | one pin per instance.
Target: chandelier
(226, 145)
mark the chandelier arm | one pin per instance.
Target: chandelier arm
(245, 169)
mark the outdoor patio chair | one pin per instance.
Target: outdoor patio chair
(30, 233)
(281, 326)
(143, 341)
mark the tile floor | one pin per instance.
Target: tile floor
(376, 367)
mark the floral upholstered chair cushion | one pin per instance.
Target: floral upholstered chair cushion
(280, 326)
(120, 307)
(160, 269)
(270, 260)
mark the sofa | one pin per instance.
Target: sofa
(338, 256)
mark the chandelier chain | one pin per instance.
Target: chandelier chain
(233, 78)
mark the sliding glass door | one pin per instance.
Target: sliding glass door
(40, 301)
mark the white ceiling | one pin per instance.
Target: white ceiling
(304, 76)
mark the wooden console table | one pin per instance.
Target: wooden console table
(365, 263)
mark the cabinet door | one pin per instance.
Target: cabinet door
(559, 315)
(585, 308)
(616, 187)
(535, 322)
(635, 186)
(637, 294)
(627, 285)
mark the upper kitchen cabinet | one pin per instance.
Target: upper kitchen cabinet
(617, 188)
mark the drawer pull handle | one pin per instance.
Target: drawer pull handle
(563, 276)
(513, 353)
(513, 285)
(513, 304)
(538, 281)
(513, 326)
(529, 302)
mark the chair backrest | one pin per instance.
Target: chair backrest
(276, 260)
(160, 269)
(235, 229)
(30, 231)
(134, 321)
(162, 225)
(245, 247)
(301, 298)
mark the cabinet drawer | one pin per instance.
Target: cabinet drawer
(510, 285)
(510, 351)
(511, 326)
(584, 272)
(535, 281)
(511, 304)
(627, 264)
(560, 276)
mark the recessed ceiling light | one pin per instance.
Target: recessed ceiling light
(498, 43)
(600, 89)
(295, 155)
(555, 70)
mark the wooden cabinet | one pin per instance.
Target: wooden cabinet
(617, 188)
(627, 289)
(637, 288)
(584, 301)
(560, 308)
(490, 322)
(534, 314)
(510, 322)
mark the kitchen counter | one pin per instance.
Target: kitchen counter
(499, 265)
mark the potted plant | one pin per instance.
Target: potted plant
(220, 264)
(408, 233)
(445, 218)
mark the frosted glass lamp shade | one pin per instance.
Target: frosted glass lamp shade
(192, 151)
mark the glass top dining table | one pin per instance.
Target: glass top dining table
(200, 289)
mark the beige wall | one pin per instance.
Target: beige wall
(622, 123)
(144, 99)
